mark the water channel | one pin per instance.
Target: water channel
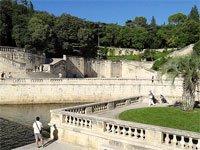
(25, 114)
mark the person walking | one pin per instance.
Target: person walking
(37, 126)
(151, 99)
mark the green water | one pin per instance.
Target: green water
(25, 114)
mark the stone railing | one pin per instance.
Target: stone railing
(79, 125)
(101, 106)
(89, 81)
(10, 49)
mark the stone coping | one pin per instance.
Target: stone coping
(135, 99)
(125, 81)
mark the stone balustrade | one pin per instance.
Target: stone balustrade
(102, 106)
(179, 140)
(10, 49)
(97, 81)
(79, 127)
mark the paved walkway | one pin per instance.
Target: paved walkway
(115, 112)
(52, 145)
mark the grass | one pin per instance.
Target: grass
(165, 116)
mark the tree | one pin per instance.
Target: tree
(6, 22)
(177, 18)
(188, 68)
(140, 22)
(40, 31)
(196, 49)
(194, 14)
(153, 22)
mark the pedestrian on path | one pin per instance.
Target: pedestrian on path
(37, 126)
(151, 99)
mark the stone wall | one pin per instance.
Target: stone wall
(79, 67)
(23, 91)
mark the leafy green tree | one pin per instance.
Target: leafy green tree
(177, 18)
(40, 30)
(196, 49)
(188, 68)
(21, 16)
(140, 22)
(194, 14)
(111, 35)
(6, 22)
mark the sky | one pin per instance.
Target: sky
(117, 11)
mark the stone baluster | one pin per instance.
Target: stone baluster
(135, 133)
(81, 123)
(142, 134)
(174, 140)
(124, 131)
(198, 144)
(84, 123)
(182, 142)
(74, 121)
(190, 143)
(70, 119)
(113, 129)
(90, 124)
(107, 127)
(77, 121)
(129, 132)
(118, 130)
(167, 139)
(67, 119)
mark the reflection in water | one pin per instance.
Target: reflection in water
(25, 114)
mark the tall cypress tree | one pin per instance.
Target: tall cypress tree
(194, 14)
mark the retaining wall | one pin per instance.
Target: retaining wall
(24, 91)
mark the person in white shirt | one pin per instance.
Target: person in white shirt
(151, 99)
(37, 126)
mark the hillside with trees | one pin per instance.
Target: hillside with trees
(41, 32)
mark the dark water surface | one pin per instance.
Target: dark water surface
(25, 114)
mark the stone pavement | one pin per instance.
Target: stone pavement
(115, 112)
(52, 145)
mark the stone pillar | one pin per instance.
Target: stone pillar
(111, 105)
(128, 102)
(88, 110)
(153, 137)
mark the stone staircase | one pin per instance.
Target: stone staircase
(16, 71)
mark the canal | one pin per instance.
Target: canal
(25, 114)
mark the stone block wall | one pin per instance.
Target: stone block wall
(23, 91)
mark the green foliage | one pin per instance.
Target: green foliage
(151, 55)
(188, 68)
(22, 26)
(196, 49)
(194, 14)
(162, 116)
(125, 57)
(177, 18)
(159, 63)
